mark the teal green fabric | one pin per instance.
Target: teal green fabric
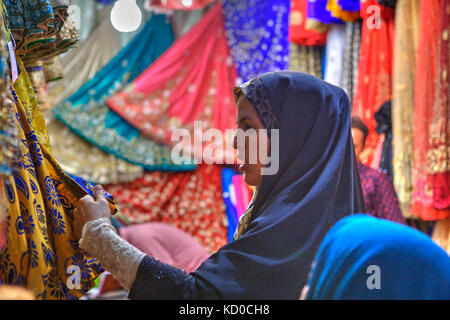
(87, 114)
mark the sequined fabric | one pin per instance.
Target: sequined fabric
(191, 82)
(352, 48)
(298, 33)
(257, 33)
(85, 112)
(306, 59)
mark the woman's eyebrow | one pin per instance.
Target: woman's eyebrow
(242, 119)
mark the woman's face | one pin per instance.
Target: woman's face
(247, 118)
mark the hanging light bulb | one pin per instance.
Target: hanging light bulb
(126, 16)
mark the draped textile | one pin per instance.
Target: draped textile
(179, 4)
(438, 154)
(41, 28)
(257, 33)
(9, 139)
(334, 54)
(83, 62)
(272, 257)
(375, 69)
(192, 201)
(317, 15)
(192, 81)
(75, 155)
(350, 64)
(404, 72)
(337, 11)
(358, 248)
(307, 59)
(42, 251)
(350, 5)
(85, 112)
(297, 27)
(425, 99)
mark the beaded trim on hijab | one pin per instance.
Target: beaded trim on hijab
(255, 91)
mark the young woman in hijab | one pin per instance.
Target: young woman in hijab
(317, 184)
(363, 257)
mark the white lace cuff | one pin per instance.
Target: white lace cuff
(100, 240)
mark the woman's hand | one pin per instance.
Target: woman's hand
(89, 209)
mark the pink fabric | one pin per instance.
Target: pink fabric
(193, 80)
(167, 244)
(243, 195)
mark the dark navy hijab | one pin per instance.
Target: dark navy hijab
(408, 264)
(317, 184)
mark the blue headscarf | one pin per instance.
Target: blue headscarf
(317, 184)
(408, 264)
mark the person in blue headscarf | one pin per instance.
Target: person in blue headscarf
(314, 183)
(363, 257)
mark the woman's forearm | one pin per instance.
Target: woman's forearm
(100, 239)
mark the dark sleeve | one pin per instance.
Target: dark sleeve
(157, 280)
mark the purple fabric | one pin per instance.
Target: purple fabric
(316, 9)
(350, 5)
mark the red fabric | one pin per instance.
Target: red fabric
(166, 243)
(424, 184)
(375, 70)
(297, 30)
(440, 129)
(192, 201)
(193, 80)
(180, 4)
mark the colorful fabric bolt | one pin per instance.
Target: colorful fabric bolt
(192, 81)
(257, 33)
(42, 252)
(373, 86)
(87, 114)
(429, 101)
(297, 27)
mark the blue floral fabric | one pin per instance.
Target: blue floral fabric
(257, 32)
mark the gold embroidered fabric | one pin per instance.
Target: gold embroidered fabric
(306, 59)
(406, 39)
(80, 158)
(441, 234)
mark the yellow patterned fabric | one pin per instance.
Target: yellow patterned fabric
(244, 220)
(406, 38)
(42, 253)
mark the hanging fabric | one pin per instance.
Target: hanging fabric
(86, 113)
(318, 17)
(438, 154)
(374, 70)
(441, 234)
(334, 54)
(297, 29)
(178, 4)
(192, 201)
(306, 59)
(406, 43)
(42, 251)
(192, 81)
(350, 64)
(75, 155)
(425, 100)
(336, 10)
(258, 35)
